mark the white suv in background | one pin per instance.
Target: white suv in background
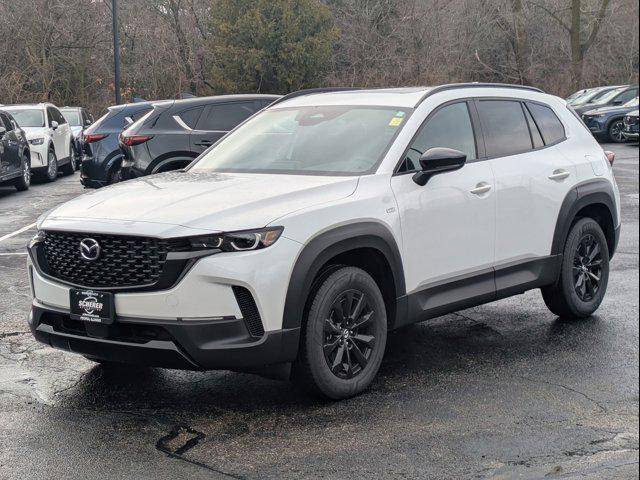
(294, 244)
(50, 138)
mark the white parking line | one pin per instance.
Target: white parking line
(12, 253)
(17, 232)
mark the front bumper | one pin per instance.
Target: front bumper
(208, 345)
(39, 155)
(224, 312)
(631, 132)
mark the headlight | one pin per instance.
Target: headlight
(36, 141)
(237, 241)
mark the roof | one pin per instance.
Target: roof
(408, 97)
(223, 98)
(29, 105)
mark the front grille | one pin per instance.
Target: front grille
(249, 311)
(124, 261)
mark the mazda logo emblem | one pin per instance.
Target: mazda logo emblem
(89, 249)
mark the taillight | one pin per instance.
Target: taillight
(95, 137)
(134, 139)
(611, 156)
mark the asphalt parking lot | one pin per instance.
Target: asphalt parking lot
(506, 390)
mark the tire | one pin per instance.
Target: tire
(23, 182)
(115, 176)
(615, 131)
(69, 168)
(340, 355)
(51, 172)
(584, 274)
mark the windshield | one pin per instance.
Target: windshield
(72, 117)
(632, 103)
(27, 117)
(320, 140)
(609, 95)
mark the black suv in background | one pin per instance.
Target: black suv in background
(177, 131)
(15, 163)
(101, 155)
(613, 98)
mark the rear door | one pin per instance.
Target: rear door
(216, 120)
(532, 176)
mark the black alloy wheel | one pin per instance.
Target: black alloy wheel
(350, 334)
(587, 268)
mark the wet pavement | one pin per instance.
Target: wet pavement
(506, 390)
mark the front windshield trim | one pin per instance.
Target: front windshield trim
(408, 111)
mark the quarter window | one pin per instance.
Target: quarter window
(448, 127)
(533, 128)
(550, 126)
(505, 127)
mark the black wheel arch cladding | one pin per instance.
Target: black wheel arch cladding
(332, 243)
(595, 193)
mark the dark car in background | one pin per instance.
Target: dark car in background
(78, 119)
(607, 122)
(631, 123)
(613, 98)
(101, 155)
(15, 159)
(175, 132)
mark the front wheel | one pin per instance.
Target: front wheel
(615, 132)
(344, 336)
(23, 182)
(584, 273)
(51, 174)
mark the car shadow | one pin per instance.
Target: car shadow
(417, 357)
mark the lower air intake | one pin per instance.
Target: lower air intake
(249, 311)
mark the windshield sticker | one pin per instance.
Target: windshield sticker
(395, 121)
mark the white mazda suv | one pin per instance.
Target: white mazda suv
(293, 245)
(50, 138)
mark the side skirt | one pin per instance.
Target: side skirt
(478, 288)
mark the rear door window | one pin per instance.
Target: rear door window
(536, 138)
(549, 124)
(505, 127)
(626, 96)
(225, 117)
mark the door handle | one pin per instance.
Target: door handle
(482, 187)
(204, 143)
(559, 174)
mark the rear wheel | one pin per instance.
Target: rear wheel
(23, 182)
(344, 336)
(615, 132)
(115, 176)
(70, 168)
(584, 274)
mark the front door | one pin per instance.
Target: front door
(448, 225)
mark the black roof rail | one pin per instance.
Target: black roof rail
(311, 91)
(452, 86)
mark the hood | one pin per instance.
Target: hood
(35, 132)
(205, 201)
(633, 114)
(75, 131)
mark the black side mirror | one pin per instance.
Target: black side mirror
(438, 160)
(617, 102)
